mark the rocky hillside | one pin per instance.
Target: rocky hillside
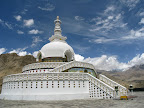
(12, 64)
(134, 76)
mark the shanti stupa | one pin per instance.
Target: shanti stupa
(57, 76)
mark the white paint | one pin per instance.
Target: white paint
(46, 86)
(54, 86)
(56, 49)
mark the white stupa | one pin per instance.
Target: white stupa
(57, 76)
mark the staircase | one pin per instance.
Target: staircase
(100, 90)
(122, 91)
(69, 65)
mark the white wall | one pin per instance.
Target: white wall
(54, 86)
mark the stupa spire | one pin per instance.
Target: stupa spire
(57, 31)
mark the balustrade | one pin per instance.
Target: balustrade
(42, 65)
(122, 90)
(73, 64)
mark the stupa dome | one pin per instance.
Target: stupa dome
(57, 49)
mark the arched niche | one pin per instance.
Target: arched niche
(39, 56)
(68, 56)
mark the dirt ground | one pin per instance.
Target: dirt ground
(137, 102)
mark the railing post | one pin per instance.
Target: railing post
(131, 89)
(116, 90)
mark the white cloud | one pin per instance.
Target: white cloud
(110, 17)
(35, 31)
(142, 21)
(106, 63)
(23, 53)
(109, 26)
(109, 9)
(103, 25)
(20, 51)
(110, 63)
(107, 23)
(29, 22)
(35, 41)
(47, 7)
(24, 11)
(134, 34)
(130, 3)
(78, 18)
(81, 49)
(20, 32)
(18, 17)
(137, 60)
(79, 57)
(102, 40)
(6, 24)
(35, 54)
(1, 21)
(2, 50)
(13, 51)
(79, 27)
(141, 14)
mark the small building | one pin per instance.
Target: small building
(58, 76)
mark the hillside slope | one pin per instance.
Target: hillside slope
(13, 64)
(134, 76)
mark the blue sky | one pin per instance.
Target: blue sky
(94, 28)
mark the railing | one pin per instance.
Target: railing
(73, 64)
(45, 76)
(121, 89)
(106, 88)
(42, 65)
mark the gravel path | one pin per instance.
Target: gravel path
(92, 103)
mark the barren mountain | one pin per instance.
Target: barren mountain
(134, 76)
(12, 64)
